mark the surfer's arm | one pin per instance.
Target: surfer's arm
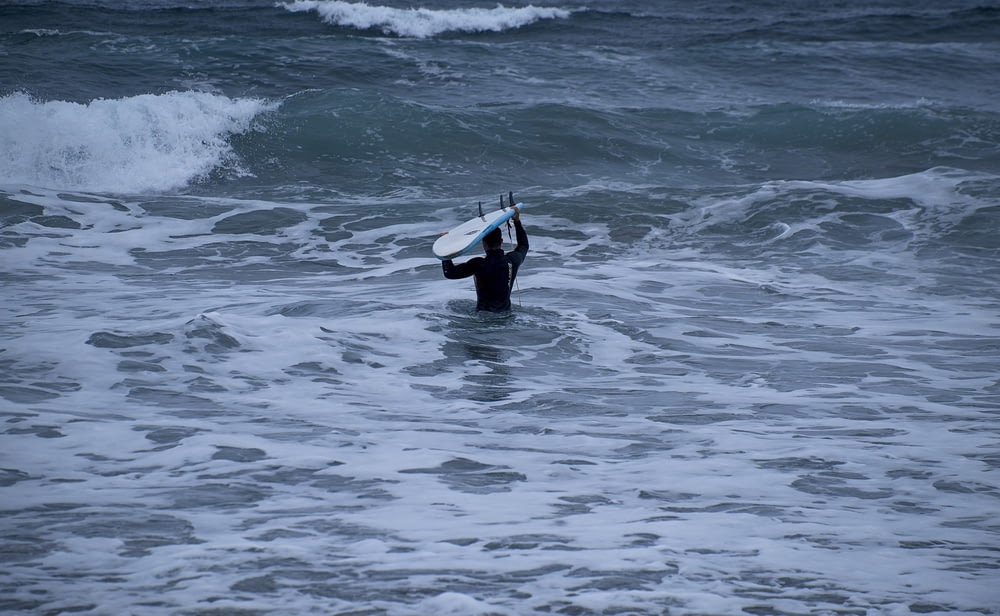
(522, 237)
(454, 272)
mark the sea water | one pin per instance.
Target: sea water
(752, 365)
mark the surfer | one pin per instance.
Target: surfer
(494, 274)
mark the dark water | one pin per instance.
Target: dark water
(752, 366)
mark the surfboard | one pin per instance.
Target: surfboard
(467, 235)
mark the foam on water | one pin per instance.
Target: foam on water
(136, 144)
(251, 405)
(752, 366)
(424, 22)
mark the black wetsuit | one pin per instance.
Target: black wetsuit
(494, 273)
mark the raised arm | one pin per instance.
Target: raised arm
(522, 236)
(454, 272)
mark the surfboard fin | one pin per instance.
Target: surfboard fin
(510, 203)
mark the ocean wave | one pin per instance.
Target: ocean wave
(423, 22)
(150, 142)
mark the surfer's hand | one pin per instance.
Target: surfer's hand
(517, 213)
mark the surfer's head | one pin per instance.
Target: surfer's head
(493, 240)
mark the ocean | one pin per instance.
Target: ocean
(753, 364)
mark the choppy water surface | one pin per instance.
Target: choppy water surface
(751, 369)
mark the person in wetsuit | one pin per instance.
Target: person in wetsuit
(494, 273)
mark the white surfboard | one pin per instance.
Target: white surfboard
(467, 235)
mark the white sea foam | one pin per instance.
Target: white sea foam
(422, 22)
(141, 143)
(758, 376)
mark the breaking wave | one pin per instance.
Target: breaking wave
(422, 22)
(150, 142)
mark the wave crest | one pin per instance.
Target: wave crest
(150, 142)
(425, 23)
